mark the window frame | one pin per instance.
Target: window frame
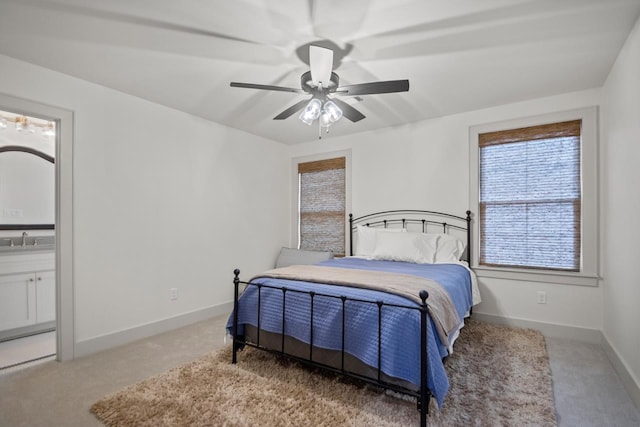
(588, 274)
(294, 220)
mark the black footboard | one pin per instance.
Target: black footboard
(343, 362)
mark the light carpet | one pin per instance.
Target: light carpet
(499, 376)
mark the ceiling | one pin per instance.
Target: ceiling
(458, 55)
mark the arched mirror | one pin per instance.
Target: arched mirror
(27, 173)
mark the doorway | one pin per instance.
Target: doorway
(27, 239)
(62, 226)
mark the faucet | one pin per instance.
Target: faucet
(24, 239)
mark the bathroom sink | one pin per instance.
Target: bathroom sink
(32, 243)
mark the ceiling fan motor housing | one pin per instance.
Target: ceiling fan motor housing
(307, 84)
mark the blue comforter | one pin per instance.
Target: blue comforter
(400, 354)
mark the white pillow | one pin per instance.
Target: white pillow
(450, 248)
(366, 242)
(428, 245)
(410, 247)
(366, 239)
(289, 256)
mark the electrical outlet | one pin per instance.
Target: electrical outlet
(542, 297)
(173, 294)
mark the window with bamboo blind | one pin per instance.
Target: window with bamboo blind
(530, 197)
(321, 186)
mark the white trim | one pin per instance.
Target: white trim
(65, 318)
(295, 190)
(26, 331)
(537, 276)
(125, 336)
(631, 384)
(553, 330)
(589, 270)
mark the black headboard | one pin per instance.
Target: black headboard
(425, 220)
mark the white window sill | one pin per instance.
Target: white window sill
(546, 276)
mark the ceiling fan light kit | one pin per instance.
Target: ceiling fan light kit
(323, 86)
(327, 114)
(332, 111)
(311, 111)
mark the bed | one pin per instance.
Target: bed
(388, 314)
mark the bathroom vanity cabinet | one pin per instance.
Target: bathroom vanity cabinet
(27, 294)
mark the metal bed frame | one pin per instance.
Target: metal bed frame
(384, 219)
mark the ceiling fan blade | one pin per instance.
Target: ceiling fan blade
(267, 87)
(321, 64)
(292, 110)
(389, 86)
(348, 111)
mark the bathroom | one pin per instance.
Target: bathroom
(27, 240)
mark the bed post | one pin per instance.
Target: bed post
(234, 333)
(351, 234)
(425, 394)
(469, 238)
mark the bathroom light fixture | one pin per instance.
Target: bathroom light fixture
(21, 123)
(24, 124)
(48, 129)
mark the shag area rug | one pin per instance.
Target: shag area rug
(499, 376)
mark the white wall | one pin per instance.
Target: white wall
(620, 228)
(162, 199)
(426, 166)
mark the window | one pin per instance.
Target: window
(530, 197)
(321, 205)
(533, 193)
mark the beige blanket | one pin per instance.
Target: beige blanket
(440, 306)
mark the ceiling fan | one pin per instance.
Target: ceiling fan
(323, 86)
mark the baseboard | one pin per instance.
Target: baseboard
(115, 339)
(547, 329)
(630, 383)
(27, 331)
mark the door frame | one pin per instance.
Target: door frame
(65, 309)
